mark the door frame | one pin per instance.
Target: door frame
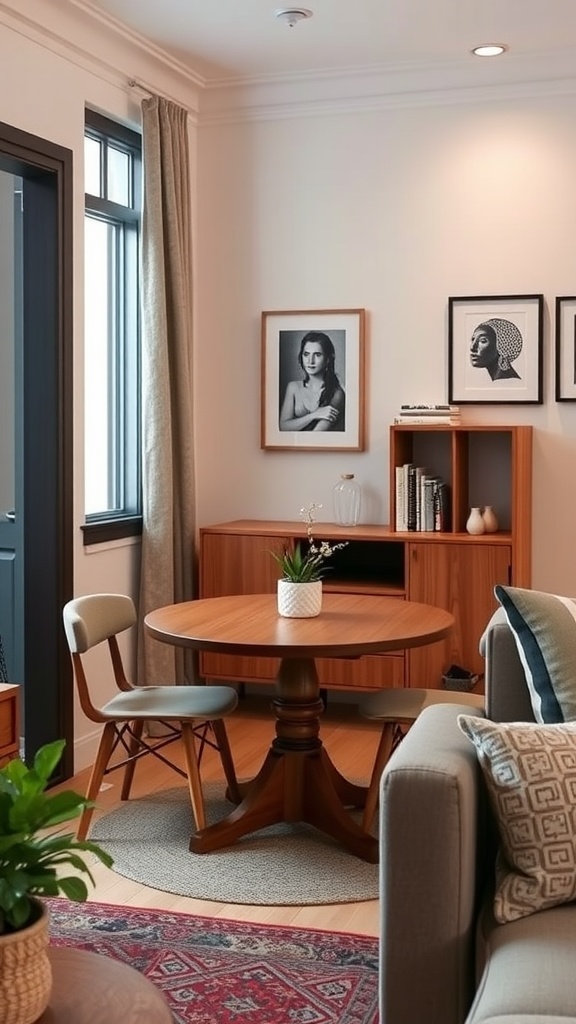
(47, 171)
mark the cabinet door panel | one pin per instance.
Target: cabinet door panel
(461, 579)
(239, 564)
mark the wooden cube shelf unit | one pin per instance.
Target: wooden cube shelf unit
(482, 465)
(9, 722)
(451, 570)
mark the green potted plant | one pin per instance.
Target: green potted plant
(33, 863)
(300, 586)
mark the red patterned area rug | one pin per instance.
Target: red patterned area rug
(214, 971)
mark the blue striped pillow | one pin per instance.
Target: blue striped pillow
(544, 628)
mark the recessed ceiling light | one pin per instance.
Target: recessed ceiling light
(292, 15)
(489, 50)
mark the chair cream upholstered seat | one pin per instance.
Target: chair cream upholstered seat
(186, 711)
(398, 709)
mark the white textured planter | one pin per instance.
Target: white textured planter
(299, 600)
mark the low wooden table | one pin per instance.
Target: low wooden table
(92, 989)
(297, 781)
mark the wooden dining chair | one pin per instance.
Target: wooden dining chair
(190, 712)
(397, 709)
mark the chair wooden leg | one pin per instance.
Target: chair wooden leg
(194, 784)
(226, 758)
(102, 758)
(137, 728)
(382, 754)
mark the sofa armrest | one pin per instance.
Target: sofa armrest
(507, 696)
(431, 868)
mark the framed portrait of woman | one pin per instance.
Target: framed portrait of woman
(495, 349)
(312, 368)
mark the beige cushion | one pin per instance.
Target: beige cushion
(404, 705)
(530, 772)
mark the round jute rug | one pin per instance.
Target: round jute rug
(281, 865)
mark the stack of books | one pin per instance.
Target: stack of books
(428, 414)
(422, 500)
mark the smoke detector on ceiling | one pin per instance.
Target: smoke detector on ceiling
(292, 15)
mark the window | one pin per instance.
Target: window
(112, 495)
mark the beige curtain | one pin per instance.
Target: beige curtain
(167, 434)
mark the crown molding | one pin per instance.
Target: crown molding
(398, 86)
(102, 46)
(99, 43)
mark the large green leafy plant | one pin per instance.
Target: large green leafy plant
(31, 860)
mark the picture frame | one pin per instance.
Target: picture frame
(300, 348)
(501, 363)
(565, 348)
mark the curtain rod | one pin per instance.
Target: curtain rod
(134, 84)
(145, 90)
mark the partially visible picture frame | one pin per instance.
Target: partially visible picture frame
(312, 380)
(565, 348)
(495, 349)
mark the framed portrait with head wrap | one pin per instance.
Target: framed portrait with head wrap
(566, 348)
(495, 349)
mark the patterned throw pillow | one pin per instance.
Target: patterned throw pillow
(544, 628)
(530, 772)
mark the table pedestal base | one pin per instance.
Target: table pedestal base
(295, 786)
(297, 781)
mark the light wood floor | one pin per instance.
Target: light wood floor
(351, 743)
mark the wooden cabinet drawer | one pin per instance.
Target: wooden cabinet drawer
(237, 668)
(372, 672)
(9, 721)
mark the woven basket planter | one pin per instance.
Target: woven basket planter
(25, 971)
(299, 600)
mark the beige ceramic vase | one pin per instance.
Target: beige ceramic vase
(25, 972)
(475, 523)
(299, 600)
(489, 519)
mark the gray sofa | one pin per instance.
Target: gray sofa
(443, 958)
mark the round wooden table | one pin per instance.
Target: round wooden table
(91, 989)
(297, 781)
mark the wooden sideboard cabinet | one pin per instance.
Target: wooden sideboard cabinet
(9, 722)
(451, 569)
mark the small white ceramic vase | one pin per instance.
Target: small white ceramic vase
(489, 519)
(299, 600)
(475, 523)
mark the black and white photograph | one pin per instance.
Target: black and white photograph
(566, 348)
(312, 380)
(495, 349)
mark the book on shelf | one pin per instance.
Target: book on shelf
(429, 410)
(400, 524)
(429, 421)
(441, 508)
(422, 500)
(431, 414)
(411, 499)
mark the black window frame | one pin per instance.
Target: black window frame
(126, 521)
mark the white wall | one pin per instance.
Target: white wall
(45, 85)
(394, 211)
